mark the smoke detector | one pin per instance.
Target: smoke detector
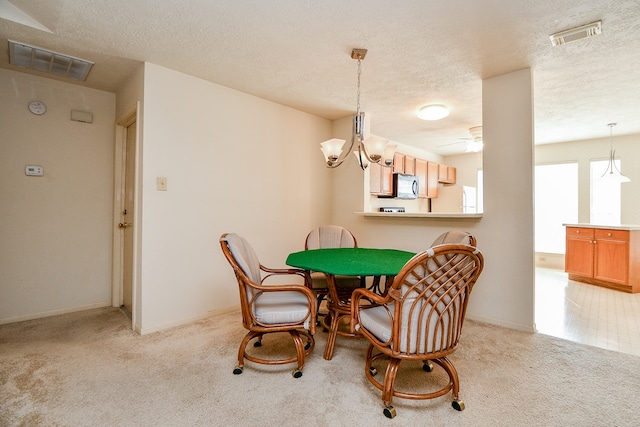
(582, 32)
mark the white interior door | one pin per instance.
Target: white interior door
(127, 217)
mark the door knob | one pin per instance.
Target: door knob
(124, 225)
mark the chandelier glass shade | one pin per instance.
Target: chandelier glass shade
(612, 173)
(371, 150)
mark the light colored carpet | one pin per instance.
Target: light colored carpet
(90, 369)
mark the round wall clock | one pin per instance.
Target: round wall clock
(37, 107)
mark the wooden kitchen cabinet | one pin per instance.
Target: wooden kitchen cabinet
(611, 257)
(604, 256)
(446, 174)
(398, 163)
(409, 165)
(432, 180)
(380, 180)
(579, 251)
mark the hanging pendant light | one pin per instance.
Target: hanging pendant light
(612, 173)
(371, 150)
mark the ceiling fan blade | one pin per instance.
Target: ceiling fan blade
(453, 143)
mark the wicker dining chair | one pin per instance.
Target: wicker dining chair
(324, 237)
(420, 318)
(270, 308)
(455, 236)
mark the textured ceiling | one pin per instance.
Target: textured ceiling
(297, 53)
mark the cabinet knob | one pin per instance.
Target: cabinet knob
(577, 231)
(609, 234)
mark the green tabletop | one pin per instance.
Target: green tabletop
(351, 261)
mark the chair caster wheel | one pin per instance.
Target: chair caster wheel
(389, 412)
(458, 405)
(237, 370)
(257, 343)
(307, 346)
(427, 367)
(297, 373)
(373, 371)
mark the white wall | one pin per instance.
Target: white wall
(627, 149)
(234, 163)
(55, 249)
(504, 293)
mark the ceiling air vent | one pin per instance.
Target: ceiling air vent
(41, 59)
(577, 33)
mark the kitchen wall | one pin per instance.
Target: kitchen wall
(55, 250)
(627, 149)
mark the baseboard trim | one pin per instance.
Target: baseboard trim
(165, 326)
(497, 322)
(54, 312)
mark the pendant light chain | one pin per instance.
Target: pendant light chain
(358, 94)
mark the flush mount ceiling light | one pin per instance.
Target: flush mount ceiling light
(370, 150)
(578, 33)
(38, 58)
(612, 173)
(433, 112)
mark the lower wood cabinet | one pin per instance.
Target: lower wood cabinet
(604, 256)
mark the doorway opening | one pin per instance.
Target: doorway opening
(567, 309)
(124, 294)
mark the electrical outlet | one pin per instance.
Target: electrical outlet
(162, 183)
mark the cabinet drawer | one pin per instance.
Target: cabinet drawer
(612, 234)
(587, 233)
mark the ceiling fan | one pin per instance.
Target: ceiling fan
(474, 144)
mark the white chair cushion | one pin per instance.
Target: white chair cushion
(378, 321)
(273, 308)
(244, 256)
(453, 236)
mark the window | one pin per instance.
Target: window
(556, 203)
(605, 206)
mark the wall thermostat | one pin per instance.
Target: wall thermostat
(30, 170)
(37, 107)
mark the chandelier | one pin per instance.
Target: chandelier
(370, 150)
(612, 173)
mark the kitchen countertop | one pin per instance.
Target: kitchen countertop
(608, 227)
(425, 215)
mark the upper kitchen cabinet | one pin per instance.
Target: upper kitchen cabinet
(409, 165)
(446, 174)
(380, 180)
(398, 163)
(427, 173)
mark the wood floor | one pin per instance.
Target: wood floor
(587, 314)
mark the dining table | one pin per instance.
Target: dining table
(358, 262)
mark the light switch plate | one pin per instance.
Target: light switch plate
(162, 183)
(32, 170)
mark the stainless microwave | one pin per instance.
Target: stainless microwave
(405, 186)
